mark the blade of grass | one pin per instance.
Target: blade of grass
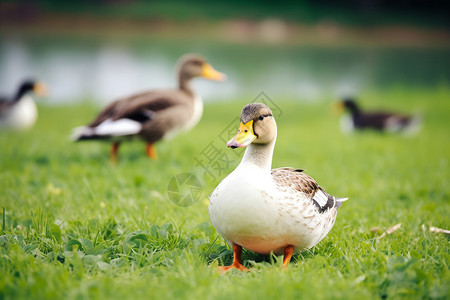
(4, 220)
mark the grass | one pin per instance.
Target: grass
(76, 227)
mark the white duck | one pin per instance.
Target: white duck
(20, 112)
(268, 210)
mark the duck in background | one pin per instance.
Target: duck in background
(20, 112)
(153, 115)
(268, 210)
(358, 119)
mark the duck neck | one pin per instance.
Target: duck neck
(354, 110)
(259, 155)
(21, 92)
(184, 84)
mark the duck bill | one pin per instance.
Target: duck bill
(40, 89)
(337, 108)
(209, 72)
(244, 137)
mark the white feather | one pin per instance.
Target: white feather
(119, 127)
(108, 128)
(80, 131)
(340, 199)
(346, 123)
(320, 198)
(22, 115)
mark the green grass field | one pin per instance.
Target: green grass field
(77, 227)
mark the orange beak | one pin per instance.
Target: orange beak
(40, 89)
(209, 72)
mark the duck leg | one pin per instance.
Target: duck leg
(237, 250)
(114, 150)
(151, 151)
(288, 251)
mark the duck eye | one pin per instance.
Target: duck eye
(261, 118)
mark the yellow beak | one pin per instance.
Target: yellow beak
(40, 89)
(209, 72)
(337, 108)
(244, 137)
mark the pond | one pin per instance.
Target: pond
(80, 68)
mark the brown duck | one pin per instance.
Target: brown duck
(153, 115)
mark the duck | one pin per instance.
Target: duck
(19, 112)
(382, 121)
(265, 210)
(152, 115)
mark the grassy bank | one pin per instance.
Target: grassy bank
(77, 227)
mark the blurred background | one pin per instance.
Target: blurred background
(98, 50)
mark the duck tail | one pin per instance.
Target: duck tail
(82, 133)
(339, 201)
(107, 129)
(414, 125)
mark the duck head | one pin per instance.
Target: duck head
(193, 65)
(350, 105)
(257, 126)
(39, 88)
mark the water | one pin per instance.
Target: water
(101, 70)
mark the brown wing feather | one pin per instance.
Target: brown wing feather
(295, 179)
(150, 101)
(5, 105)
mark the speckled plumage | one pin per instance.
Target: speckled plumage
(264, 209)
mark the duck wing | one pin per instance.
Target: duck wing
(384, 120)
(5, 104)
(375, 120)
(140, 107)
(131, 115)
(296, 180)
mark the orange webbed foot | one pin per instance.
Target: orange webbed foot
(237, 250)
(288, 251)
(113, 153)
(151, 151)
(240, 267)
